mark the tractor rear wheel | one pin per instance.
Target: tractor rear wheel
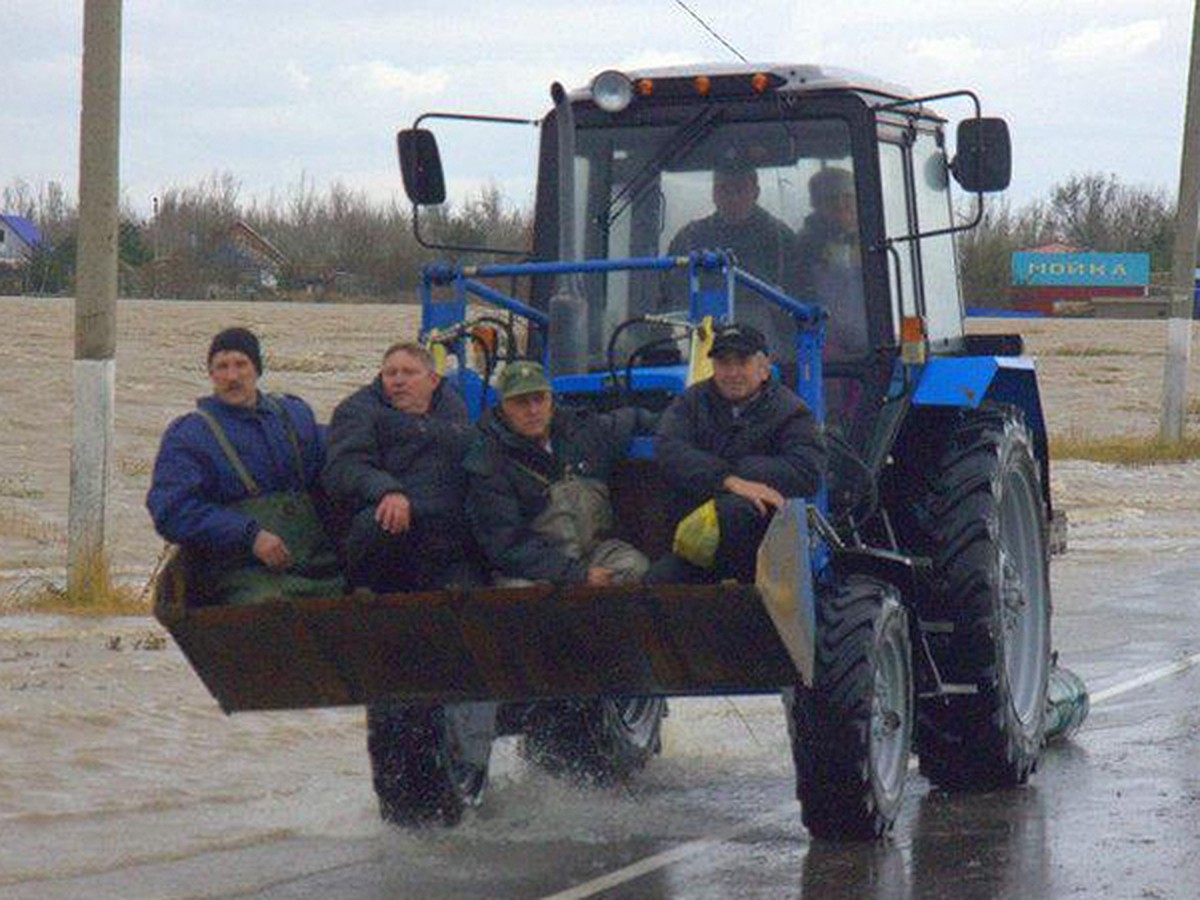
(975, 506)
(428, 763)
(601, 741)
(852, 730)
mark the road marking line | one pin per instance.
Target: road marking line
(1148, 677)
(674, 855)
(702, 845)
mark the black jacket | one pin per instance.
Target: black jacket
(375, 449)
(774, 440)
(509, 482)
(764, 246)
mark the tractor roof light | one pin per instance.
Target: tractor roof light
(645, 87)
(612, 91)
(703, 85)
(760, 82)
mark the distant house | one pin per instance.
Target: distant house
(18, 239)
(257, 261)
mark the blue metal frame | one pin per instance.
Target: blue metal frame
(443, 315)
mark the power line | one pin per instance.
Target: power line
(732, 49)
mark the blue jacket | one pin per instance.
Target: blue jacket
(193, 482)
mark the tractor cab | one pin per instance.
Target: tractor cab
(831, 187)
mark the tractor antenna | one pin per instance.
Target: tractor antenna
(691, 12)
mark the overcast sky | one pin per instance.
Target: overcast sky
(272, 90)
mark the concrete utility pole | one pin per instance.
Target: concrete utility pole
(95, 296)
(1183, 255)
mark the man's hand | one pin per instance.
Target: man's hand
(598, 575)
(764, 497)
(394, 513)
(271, 551)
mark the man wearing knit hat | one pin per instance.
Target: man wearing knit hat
(232, 484)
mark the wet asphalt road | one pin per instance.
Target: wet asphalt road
(1114, 813)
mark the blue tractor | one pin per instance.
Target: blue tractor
(904, 608)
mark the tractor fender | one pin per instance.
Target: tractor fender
(966, 381)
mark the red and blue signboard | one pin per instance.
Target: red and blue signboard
(1081, 269)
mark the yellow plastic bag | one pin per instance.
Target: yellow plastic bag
(697, 536)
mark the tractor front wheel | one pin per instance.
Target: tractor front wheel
(852, 730)
(429, 763)
(600, 741)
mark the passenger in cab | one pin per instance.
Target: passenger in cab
(829, 262)
(762, 244)
(539, 501)
(233, 485)
(732, 448)
(395, 476)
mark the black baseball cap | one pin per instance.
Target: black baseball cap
(740, 339)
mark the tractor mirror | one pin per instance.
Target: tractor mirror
(984, 159)
(421, 166)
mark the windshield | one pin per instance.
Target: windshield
(779, 195)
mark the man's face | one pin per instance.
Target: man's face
(840, 209)
(735, 194)
(738, 377)
(234, 378)
(529, 415)
(408, 382)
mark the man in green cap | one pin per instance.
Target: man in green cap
(538, 497)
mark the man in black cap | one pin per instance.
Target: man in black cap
(232, 484)
(539, 501)
(763, 245)
(732, 448)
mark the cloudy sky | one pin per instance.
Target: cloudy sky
(273, 91)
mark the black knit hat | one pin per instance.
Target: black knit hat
(240, 339)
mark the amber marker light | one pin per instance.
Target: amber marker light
(912, 340)
(703, 85)
(760, 82)
(645, 87)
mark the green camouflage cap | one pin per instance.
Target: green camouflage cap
(521, 377)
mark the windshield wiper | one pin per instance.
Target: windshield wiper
(681, 140)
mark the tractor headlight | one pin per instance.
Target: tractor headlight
(612, 91)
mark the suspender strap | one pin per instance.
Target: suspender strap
(223, 441)
(280, 410)
(537, 476)
(231, 454)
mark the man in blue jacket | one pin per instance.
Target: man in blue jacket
(233, 480)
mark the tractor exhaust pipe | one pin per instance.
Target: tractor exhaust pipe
(568, 307)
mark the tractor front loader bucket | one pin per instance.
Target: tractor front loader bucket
(487, 644)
